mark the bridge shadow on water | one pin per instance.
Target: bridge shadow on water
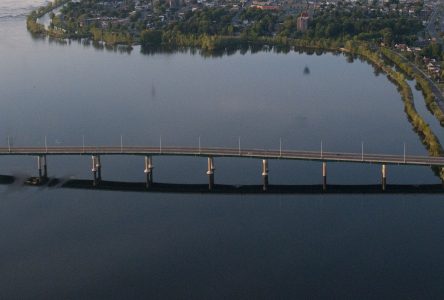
(254, 189)
(158, 187)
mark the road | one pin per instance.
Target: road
(431, 24)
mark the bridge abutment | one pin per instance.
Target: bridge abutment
(265, 175)
(210, 173)
(149, 171)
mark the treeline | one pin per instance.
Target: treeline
(31, 21)
(164, 39)
(173, 39)
(70, 28)
(336, 23)
(215, 21)
(365, 25)
(421, 82)
(111, 38)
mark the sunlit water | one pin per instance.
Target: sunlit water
(59, 243)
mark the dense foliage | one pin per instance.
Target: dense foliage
(31, 21)
(366, 25)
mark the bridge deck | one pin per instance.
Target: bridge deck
(229, 152)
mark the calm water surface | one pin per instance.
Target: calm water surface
(58, 243)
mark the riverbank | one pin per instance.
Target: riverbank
(428, 138)
(432, 95)
(39, 29)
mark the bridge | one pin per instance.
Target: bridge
(212, 152)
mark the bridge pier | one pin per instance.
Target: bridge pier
(324, 176)
(39, 165)
(94, 170)
(384, 177)
(42, 167)
(210, 173)
(265, 174)
(99, 168)
(149, 171)
(45, 167)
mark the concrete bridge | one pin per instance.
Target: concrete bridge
(148, 152)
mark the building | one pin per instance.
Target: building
(302, 22)
(264, 5)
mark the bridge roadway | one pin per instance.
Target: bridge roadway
(230, 152)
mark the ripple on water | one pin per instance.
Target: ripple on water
(12, 9)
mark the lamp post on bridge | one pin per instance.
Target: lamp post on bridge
(362, 151)
(322, 150)
(324, 169)
(404, 152)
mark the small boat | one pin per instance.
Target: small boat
(306, 70)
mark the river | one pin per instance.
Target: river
(71, 244)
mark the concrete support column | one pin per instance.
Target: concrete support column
(94, 170)
(265, 174)
(39, 165)
(210, 173)
(324, 176)
(99, 168)
(384, 177)
(149, 171)
(45, 167)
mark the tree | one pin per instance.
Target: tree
(387, 36)
(151, 38)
